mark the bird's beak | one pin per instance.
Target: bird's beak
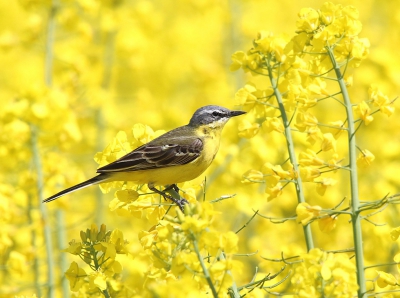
(236, 113)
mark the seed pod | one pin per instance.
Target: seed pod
(93, 233)
(87, 258)
(83, 236)
(102, 233)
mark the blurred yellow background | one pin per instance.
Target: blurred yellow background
(74, 73)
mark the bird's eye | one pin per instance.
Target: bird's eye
(216, 113)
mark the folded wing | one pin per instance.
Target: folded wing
(152, 156)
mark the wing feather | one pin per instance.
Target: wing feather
(153, 155)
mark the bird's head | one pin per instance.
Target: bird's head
(214, 116)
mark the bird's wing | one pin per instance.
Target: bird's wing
(157, 154)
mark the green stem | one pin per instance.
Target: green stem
(355, 203)
(60, 227)
(97, 267)
(36, 268)
(48, 78)
(292, 154)
(108, 59)
(49, 54)
(233, 289)
(203, 266)
(47, 232)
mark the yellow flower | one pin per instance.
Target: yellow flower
(214, 241)
(334, 162)
(328, 142)
(274, 123)
(350, 22)
(183, 261)
(385, 279)
(195, 225)
(310, 158)
(359, 51)
(97, 280)
(17, 263)
(313, 134)
(107, 248)
(76, 276)
(381, 100)
(253, 61)
(164, 230)
(127, 195)
(278, 45)
(74, 248)
(308, 20)
(376, 95)
(117, 238)
(147, 238)
(267, 43)
(245, 96)
(305, 213)
(387, 110)
(247, 129)
(365, 158)
(333, 275)
(308, 174)
(237, 60)
(363, 111)
(252, 176)
(328, 12)
(263, 41)
(230, 242)
(322, 184)
(274, 192)
(305, 120)
(269, 168)
(337, 128)
(327, 223)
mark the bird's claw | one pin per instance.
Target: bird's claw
(179, 202)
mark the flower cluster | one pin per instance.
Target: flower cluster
(99, 250)
(307, 106)
(324, 274)
(306, 214)
(187, 247)
(299, 70)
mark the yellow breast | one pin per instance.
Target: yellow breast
(210, 137)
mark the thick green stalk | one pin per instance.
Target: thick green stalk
(355, 203)
(292, 155)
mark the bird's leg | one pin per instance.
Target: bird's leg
(180, 202)
(172, 186)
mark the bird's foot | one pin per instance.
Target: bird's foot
(179, 202)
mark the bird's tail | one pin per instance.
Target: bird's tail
(95, 180)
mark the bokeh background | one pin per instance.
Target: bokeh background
(74, 73)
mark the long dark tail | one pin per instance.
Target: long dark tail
(95, 180)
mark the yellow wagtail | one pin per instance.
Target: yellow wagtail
(179, 155)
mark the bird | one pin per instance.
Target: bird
(179, 155)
